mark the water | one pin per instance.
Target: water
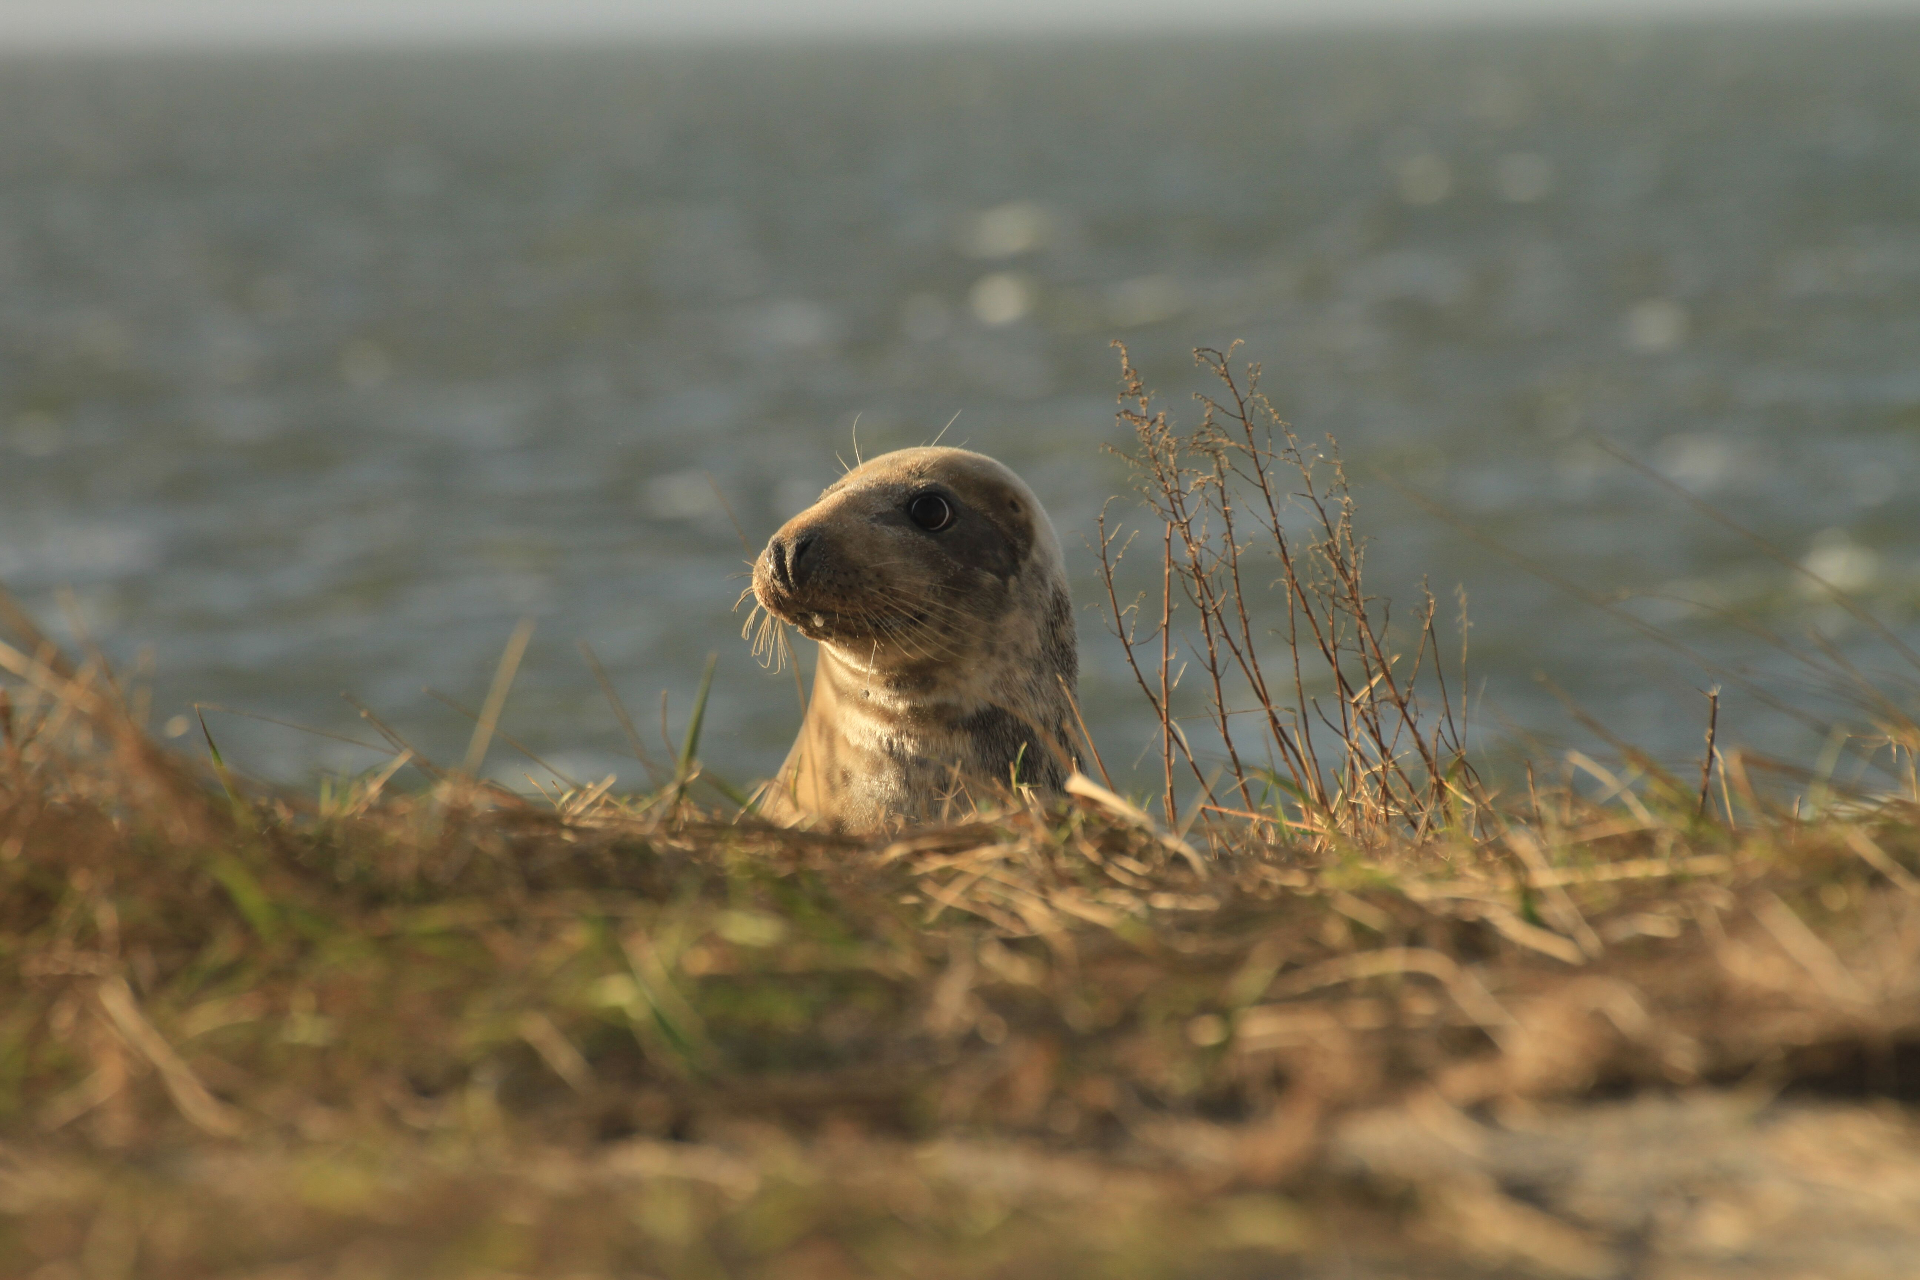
(318, 372)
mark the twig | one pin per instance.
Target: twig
(1085, 734)
(1808, 951)
(1874, 856)
(1166, 710)
(398, 743)
(619, 711)
(1706, 764)
(288, 724)
(496, 697)
(502, 735)
(201, 1108)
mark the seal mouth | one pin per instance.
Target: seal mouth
(820, 624)
(835, 620)
(823, 623)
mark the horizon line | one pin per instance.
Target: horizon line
(369, 32)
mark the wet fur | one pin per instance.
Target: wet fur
(947, 660)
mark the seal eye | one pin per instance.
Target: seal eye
(931, 512)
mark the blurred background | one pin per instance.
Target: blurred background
(336, 339)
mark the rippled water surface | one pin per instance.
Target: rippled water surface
(317, 373)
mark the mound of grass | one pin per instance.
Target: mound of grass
(462, 1033)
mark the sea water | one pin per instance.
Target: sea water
(319, 372)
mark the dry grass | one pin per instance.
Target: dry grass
(1349, 737)
(456, 1032)
(1379, 1029)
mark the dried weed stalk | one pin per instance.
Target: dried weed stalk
(1325, 725)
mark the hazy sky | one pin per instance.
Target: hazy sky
(145, 22)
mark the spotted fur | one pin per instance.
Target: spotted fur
(947, 662)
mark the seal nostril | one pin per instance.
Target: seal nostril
(797, 556)
(785, 557)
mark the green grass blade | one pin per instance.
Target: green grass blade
(251, 900)
(240, 811)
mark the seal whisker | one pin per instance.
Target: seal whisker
(931, 589)
(924, 602)
(917, 608)
(904, 615)
(901, 632)
(908, 637)
(943, 431)
(933, 643)
(930, 601)
(769, 637)
(921, 605)
(926, 633)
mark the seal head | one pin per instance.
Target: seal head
(933, 582)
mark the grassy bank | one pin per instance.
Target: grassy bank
(1340, 1007)
(462, 1033)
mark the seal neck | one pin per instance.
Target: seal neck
(863, 675)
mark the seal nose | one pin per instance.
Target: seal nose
(790, 562)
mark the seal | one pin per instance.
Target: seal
(933, 582)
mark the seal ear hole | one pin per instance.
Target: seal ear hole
(931, 512)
